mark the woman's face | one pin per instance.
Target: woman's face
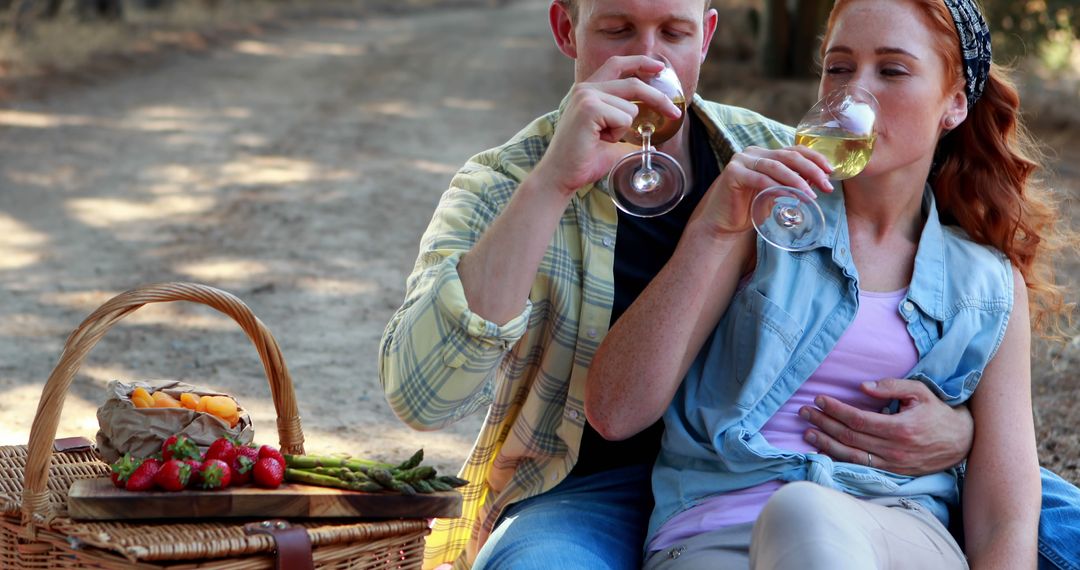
(887, 47)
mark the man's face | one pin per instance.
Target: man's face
(675, 31)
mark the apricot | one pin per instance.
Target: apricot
(223, 407)
(189, 401)
(163, 400)
(141, 398)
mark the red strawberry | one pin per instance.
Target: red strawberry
(195, 465)
(215, 474)
(121, 469)
(178, 446)
(248, 451)
(268, 473)
(142, 479)
(241, 470)
(273, 453)
(173, 475)
(223, 448)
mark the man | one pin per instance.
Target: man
(525, 266)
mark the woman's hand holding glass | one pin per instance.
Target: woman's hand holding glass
(841, 126)
(725, 210)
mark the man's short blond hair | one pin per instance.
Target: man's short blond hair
(572, 8)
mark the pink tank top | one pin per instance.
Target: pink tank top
(876, 346)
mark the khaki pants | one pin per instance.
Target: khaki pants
(807, 526)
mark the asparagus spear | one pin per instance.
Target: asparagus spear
(302, 476)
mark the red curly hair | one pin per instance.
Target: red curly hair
(983, 179)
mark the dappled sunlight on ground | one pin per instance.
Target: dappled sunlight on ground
(34, 120)
(469, 104)
(299, 49)
(21, 244)
(397, 109)
(277, 170)
(78, 418)
(107, 212)
(433, 167)
(336, 287)
(223, 270)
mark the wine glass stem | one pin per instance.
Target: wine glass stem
(646, 146)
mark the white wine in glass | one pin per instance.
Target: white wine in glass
(662, 127)
(648, 182)
(839, 126)
(847, 153)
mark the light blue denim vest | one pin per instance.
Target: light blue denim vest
(780, 327)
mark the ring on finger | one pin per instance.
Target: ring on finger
(756, 163)
(869, 459)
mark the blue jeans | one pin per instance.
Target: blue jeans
(592, 522)
(1059, 524)
(599, 521)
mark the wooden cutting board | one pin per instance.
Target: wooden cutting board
(99, 499)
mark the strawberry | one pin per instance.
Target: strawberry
(121, 469)
(273, 453)
(214, 474)
(223, 448)
(173, 475)
(241, 470)
(195, 466)
(246, 456)
(142, 479)
(249, 451)
(178, 446)
(268, 473)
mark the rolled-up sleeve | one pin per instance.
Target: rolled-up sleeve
(437, 357)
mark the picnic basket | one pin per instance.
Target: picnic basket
(35, 531)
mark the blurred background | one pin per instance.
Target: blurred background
(291, 152)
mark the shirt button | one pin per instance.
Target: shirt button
(554, 476)
(591, 333)
(843, 251)
(608, 242)
(573, 414)
(909, 306)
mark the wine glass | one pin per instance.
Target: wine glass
(648, 182)
(839, 126)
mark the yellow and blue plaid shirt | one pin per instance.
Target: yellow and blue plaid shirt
(440, 362)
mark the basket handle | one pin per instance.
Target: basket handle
(83, 339)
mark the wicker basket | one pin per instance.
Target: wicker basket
(35, 531)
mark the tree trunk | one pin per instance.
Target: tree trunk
(775, 38)
(789, 38)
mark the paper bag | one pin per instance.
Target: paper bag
(123, 428)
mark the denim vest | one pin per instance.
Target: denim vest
(779, 328)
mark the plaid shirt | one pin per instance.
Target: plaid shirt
(440, 362)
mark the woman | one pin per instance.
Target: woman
(932, 255)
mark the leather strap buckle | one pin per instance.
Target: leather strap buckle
(70, 444)
(292, 545)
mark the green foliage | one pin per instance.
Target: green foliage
(1032, 27)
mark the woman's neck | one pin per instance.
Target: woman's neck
(885, 206)
(885, 220)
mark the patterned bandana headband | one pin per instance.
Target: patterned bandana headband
(974, 45)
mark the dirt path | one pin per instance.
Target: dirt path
(296, 170)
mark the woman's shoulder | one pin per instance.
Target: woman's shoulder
(978, 275)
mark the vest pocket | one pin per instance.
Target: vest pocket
(765, 336)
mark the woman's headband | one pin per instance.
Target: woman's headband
(974, 46)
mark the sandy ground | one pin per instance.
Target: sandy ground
(297, 169)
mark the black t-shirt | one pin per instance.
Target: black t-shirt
(642, 247)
